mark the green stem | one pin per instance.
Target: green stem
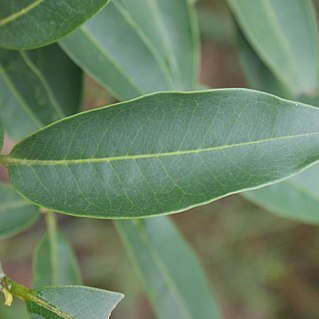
(19, 291)
(52, 227)
(28, 295)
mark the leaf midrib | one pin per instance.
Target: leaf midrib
(20, 13)
(20, 161)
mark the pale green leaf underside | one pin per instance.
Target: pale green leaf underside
(164, 153)
(73, 302)
(36, 88)
(284, 34)
(54, 262)
(16, 214)
(172, 275)
(30, 24)
(297, 198)
(134, 47)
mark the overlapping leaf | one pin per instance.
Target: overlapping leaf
(133, 47)
(16, 213)
(37, 87)
(164, 153)
(297, 198)
(171, 273)
(30, 24)
(284, 34)
(257, 74)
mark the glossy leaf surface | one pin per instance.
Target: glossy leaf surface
(73, 302)
(171, 273)
(16, 214)
(37, 87)
(54, 262)
(30, 24)
(133, 47)
(164, 153)
(284, 34)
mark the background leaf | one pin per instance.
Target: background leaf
(296, 198)
(36, 23)
(37, 87)
(171, 273)
(76, 302)
(257, 74)
(285, 36)
(160, 50)
(16, 213)
(1, 134)
(164, 153)
(54, 262)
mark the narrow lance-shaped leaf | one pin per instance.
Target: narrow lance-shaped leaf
(164, 153)
(37, 87)
(54, 262)
(133, 47)
(171, 273)
(284, 34)
(16, 213)
(31, 24)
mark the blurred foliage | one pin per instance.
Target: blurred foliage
(261, 266)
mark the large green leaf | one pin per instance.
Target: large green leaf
(16, 214)
(37, 87)
(284, 33)
(30, 24)
(171, 273)
(164, 153)
(135, 47)
(72, 302)
(54, 262)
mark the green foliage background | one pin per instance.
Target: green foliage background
(261, 266)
